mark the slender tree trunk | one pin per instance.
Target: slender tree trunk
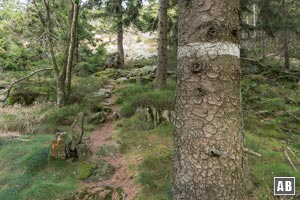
(62, 74)
(76, 56)
(59, 73)
(209, 161)
(121, 60)
(60, 92)
(161, 71)
(286, 40)
(254, 24)
(264, 45)
(71, 48)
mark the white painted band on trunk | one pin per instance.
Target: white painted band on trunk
(211, 49)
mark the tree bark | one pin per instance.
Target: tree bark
(264, 45)
(286, 39)
(161, 71)
(71, 48)
(62, 73)
(60, 92)
(209, 161)
(59, 73)
(120, 61)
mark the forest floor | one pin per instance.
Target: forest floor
(122, 177)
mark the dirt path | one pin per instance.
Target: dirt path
(122, 177)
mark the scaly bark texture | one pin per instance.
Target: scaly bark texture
(208, 158)
(161, 71)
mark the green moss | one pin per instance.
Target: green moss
(84, 169)
(108, 73)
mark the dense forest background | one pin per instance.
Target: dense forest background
(79, 70)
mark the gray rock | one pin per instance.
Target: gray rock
(97, 118)
(122, 80)
(58, 145)
(83, 151)
(103, 93)
(142, 71)
(107, 150)
(103, 171)
(111, 61)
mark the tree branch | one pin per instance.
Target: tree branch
(249, 151)
(290, 160)
(22, 79)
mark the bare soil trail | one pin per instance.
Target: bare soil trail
(122, 177)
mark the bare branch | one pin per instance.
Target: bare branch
(249, 151)
(22, 79)
(290, 160)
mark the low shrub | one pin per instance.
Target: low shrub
(135, 96)
(61, 115)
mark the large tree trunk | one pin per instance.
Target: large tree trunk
(161, 71)
(71, 48)
(286, 39)
(120, 61)
(208, 160)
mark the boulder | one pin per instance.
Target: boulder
(66, 145)
(104, 107)
(97, 118)
(110, 73)
(103, 171)
(83, 151)
(107, 150)
(146, 70)
(112, 61)
(103, 93)
(122, 80)
(59, 144)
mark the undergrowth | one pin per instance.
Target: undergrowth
(135, 96)
(271, 124)
(150, 152)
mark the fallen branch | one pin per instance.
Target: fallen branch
(22, 79)
(249, 151)
(290, 150)
(289, 159)
(293, 153)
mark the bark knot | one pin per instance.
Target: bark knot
(197, 68)
(218, 153)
